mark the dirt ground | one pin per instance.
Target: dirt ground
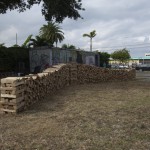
(104, 116)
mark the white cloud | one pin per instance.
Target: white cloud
(117, 23)
(8, 34)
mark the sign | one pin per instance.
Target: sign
(147, 54)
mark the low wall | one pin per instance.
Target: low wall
(18, 93)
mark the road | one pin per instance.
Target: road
(143, 75)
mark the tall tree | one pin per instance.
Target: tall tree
(52, 33)
(56, 10)
(91, 35)
(122, 55)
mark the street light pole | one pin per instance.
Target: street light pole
(16, 39)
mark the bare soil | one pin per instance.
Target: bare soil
(104, 116)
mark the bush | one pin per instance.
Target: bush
(104, 59)
(11, 57)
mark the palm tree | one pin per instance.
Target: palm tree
(91, 35)
(26, 42)
(52, 33)
(38, 41)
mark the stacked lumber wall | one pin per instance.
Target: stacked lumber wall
(93, 74)
(12, 95)
(18, 93)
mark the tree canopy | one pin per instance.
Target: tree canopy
(56, 10)
(38, 42)
(104, 58)
(2, 45)
(67, 46)
(52, 33)
(121, 55)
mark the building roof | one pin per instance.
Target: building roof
(141, 58)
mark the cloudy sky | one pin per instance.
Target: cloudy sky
(118, 24)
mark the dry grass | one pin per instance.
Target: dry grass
(105, 116)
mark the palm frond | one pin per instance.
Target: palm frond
(86, 35)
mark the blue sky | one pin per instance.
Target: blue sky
(118, 24)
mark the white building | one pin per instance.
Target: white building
(147, 54)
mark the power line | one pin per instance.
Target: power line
(109, 49)
(129, 36)
(140, 44)
(121, 39)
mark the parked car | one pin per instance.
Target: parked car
(123, 67)
(119, 66)
(114, 66)
(143, 67)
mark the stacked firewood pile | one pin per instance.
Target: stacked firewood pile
(73, 73)
(122, 74)
(12, 95)
(93, 74)
(19, 93)
(90, 74)
(48, 82)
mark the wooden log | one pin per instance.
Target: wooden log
(50, 70)
(36, 86)
(11, 81)
(12, 100)
(11, 91)
(13, 107)
(12, 96)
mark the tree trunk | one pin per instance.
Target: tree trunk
(91, 44)
(56, 44)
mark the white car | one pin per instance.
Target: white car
(123, 67)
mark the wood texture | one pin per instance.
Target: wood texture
(18, 93)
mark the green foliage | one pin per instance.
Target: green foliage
(2, 45)
(91, 35)
(104, 58)
(56, 10)
(9, 58)
(26, 42)
(38, 42)
(64, 46)
(52, 33)
(122, 55)
(67, 46)
(15, 45)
